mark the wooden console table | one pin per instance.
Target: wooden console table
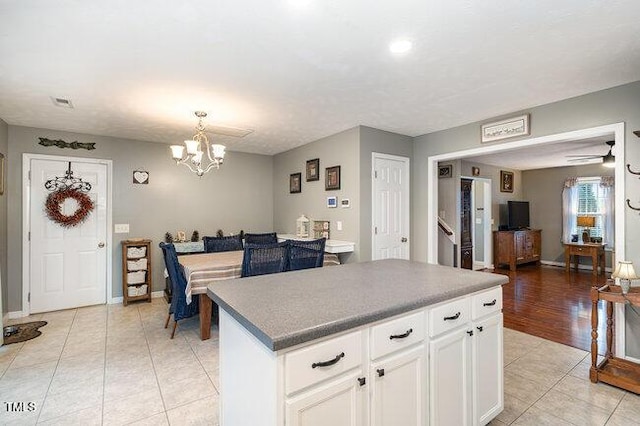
(614, 371)
(593, 250)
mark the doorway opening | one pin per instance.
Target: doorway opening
(611, 132)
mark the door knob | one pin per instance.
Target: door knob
(100, 244)
(404, 239)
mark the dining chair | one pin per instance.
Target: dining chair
(218, 244)
(306, 254)
(178, 307)
(263, 259)
(267, 238)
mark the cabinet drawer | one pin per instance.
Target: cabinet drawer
(315, 363)
(486, 303)
(448, 316)
(396, 334)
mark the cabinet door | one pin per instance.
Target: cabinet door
(450, 379)
(521, 245)
(537, 244)
(399, 389)
(338, 403)
(488, 386)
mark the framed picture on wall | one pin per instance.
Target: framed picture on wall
(445, 171)
(506, 181)
(313, 170)
(295, 185)
(332, 178)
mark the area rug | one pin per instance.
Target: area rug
(26, 331)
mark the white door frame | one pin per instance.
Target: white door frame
(618, 130)
(26, 225)
(407, 179)
(486, 224)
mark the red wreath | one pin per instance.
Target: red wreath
(54, 203)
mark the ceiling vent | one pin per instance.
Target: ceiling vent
(62, 102)
(229, 131)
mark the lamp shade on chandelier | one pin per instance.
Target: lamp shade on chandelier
(195, 158)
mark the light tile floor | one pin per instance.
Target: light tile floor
(108, 365)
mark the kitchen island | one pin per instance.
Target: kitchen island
(387, 343)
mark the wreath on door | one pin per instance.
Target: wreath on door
(55, 200)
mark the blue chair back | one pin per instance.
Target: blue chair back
(306, 254)
(218, 244)
(179, 307)
(264, 259)
(268, 238)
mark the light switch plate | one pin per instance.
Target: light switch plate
(121, 228)
(339, 225)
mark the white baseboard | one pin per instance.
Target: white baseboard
(120, 299)
(562, 264)
(16, 314)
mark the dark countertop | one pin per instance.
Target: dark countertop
(287, 309)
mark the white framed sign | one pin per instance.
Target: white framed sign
(505, 129)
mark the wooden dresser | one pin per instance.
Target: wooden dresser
(516, 247)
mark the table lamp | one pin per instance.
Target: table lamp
(625, 273)
(586, 222)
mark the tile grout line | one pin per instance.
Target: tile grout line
(201, 365)
(549, 390)
(57, 364)
(614, 410)
(153, 365)
(104, 364)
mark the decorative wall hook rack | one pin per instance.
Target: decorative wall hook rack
(631, 207)
(60, 183)
(631, 171)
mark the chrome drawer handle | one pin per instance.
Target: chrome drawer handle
(455, 317)
(328, 363)
(492, 303)
(401, 336)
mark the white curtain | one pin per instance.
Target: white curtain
(569, 208)
(607, 187)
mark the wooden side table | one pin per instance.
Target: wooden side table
(612, 370)
(593, 250)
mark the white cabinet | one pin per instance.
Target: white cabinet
(488, 387)
(450, 379)
(439, 365)
(465, 362)
(339, 403)
(398, 389)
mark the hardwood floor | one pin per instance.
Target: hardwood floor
(547, 302)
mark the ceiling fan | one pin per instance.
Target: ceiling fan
(608, 160)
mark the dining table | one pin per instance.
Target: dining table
(200, 270)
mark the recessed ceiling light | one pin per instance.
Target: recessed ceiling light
(62, 102)
(399, 47)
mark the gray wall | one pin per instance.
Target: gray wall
(382, 142)
(238, 196)
(543, 190)
(4, 149)
(341, 149)
(497, 197)
(618, 104)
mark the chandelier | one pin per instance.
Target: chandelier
(196, 148)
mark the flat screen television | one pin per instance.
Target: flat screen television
(518, 214)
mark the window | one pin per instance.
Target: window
(591, 197)
(591, 202)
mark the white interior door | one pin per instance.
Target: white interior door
(68, 266)
(390, 210)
